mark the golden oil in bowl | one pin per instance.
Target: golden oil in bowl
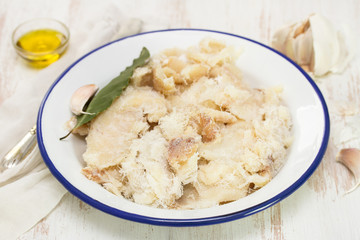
(41, 41)
(42, 45)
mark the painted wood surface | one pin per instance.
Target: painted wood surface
(317, 210)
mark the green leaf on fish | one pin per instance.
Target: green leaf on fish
(105, 97)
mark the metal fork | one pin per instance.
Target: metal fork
(20, 151)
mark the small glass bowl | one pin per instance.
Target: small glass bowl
(41, 58)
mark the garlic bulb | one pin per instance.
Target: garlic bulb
(350, 157)
(80, 97)
(315, 45)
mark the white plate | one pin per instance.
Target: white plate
(261, 65)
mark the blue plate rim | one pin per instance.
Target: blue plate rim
(185, 222)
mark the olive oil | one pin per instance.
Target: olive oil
(41, 47)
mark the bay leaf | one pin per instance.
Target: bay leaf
(105, 97)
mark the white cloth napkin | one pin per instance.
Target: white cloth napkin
(28, 192)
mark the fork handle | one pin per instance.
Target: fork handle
(20, 150)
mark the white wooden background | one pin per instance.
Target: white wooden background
(318, 210)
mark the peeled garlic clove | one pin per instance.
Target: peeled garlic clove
(280, 38)
(315, 45)
(80, 97)
(326, 44)
(349, 47)
(350, 157)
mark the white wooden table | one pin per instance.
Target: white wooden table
(318, 210)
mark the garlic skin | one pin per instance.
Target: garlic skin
(80, 97)
(315, 45)
(350, 158)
